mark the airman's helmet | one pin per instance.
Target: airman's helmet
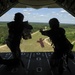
(54, 23)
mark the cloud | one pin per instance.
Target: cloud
(42, 15)
(25, 10)
(63, 11)
(53, 12)
(28, 10)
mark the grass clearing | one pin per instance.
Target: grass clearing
(31, 45)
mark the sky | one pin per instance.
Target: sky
(40, 15)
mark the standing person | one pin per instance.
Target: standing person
(60, 43)
(15, 31)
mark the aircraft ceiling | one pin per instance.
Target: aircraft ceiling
(5, 5)
(37, 4)
(68, 5)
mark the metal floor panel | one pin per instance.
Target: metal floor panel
(36, 63)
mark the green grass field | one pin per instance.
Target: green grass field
(32, 45)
